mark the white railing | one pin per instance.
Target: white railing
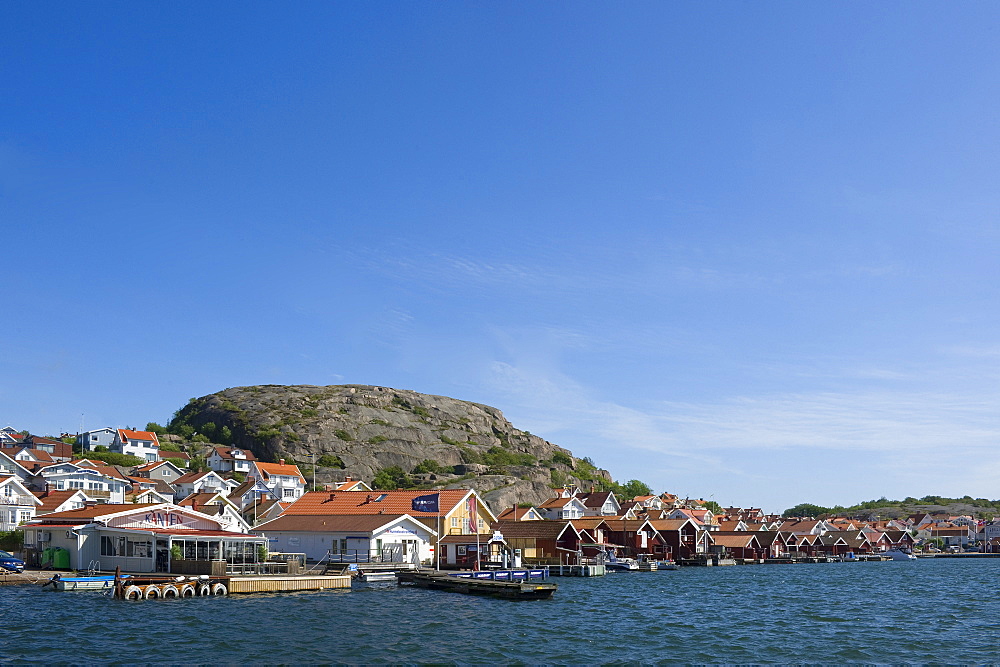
(15, 500)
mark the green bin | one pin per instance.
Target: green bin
(60, 559)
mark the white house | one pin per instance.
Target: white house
(143, 444)
(563, 508)
(231, 459)
(11, 466)
(17, 504)
(283, 480)
(353, 538)
(139, 538)
(100, 482)
(201, 482)
(600, 503)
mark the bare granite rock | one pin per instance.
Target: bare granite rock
(361, 430)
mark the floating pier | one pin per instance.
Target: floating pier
(156, 587)
(525, 589)
(577, 570)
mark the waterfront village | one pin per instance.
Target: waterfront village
(245, 516)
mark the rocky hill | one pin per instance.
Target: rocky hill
(388, 436)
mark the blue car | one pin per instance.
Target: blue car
(9, 563)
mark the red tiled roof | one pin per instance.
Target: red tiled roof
(126, 434)
(226, 453)
(364, 502)
(287, 469)
(190, 477)
(53, 500)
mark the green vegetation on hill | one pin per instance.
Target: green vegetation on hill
(894, 508)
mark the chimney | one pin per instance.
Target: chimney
(332, 496)
(90, 503)
(349, 479)
(281, 462)
(48, 488)
(194, 505)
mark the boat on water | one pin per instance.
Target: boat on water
(897, 554)
(92, 583)
(622, 564)
(667, 565)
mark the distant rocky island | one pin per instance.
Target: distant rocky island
(390, 438)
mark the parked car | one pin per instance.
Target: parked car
(9, 563)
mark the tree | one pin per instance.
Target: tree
(633, 488)
(805, 509)
(155, 428)
(391, 478)
(713, 507)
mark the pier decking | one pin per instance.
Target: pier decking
(287, 584)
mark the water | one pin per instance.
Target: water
(893, 612)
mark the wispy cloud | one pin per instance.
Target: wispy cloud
(752, 446)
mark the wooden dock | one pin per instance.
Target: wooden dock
(287, 584)
(510, 590)
(146, 587)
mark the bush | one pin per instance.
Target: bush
(391, 478)
(330, 461)
(116, 459)
(429, 466)
(376, 439)
(12, 540)
(343, 435)
(563, 458)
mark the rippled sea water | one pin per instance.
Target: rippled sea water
(893, 612)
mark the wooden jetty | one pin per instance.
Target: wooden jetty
(524, 589)
(143, 587)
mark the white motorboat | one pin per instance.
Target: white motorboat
(896, 554)
(622, 564)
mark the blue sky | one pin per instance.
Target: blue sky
(746, 251)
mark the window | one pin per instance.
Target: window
(289, 493)
(454, 522)
(112, 545)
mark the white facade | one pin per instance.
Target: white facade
(97, 485)
(403, 539)
(137, 539)
(285, 482)
(142, 444)
(232, 459)
(17, 503)
(208, 482)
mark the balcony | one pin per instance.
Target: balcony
(16, 500)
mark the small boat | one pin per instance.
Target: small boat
(667, 565)
(372, 577)
(897, 554)
(622, 564)
(93, 583)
